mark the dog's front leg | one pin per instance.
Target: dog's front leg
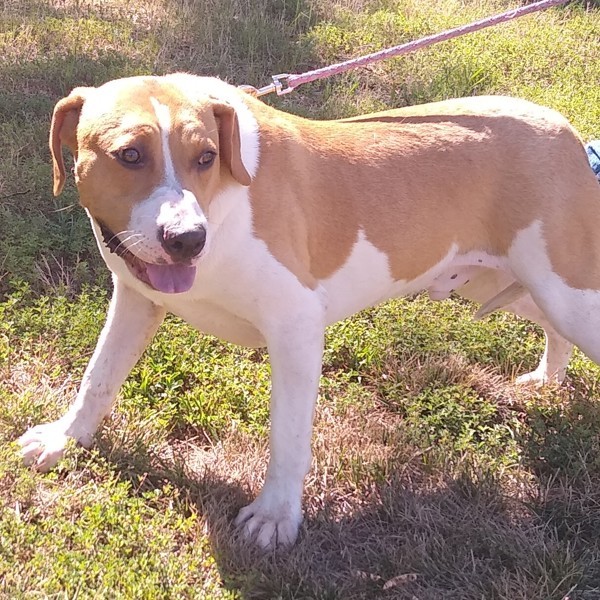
(296, 350)
(132, 321)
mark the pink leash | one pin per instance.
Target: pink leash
(286, 83)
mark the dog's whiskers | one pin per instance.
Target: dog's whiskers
(142, 249)
(133, 236)
(116, 235)
(124, 243)
(140, 240)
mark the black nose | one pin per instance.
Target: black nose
(182, 246)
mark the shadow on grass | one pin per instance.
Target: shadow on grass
(563, 451)
(414, 534)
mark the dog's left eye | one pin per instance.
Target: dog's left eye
(206, 159)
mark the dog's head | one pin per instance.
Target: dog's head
(151, 153)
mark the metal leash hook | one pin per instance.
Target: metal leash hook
(279, 85)
(282, 84)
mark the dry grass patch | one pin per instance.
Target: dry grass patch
(380, 511)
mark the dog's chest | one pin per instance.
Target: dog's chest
(213, 319)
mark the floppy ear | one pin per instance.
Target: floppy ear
(63, 132)
(229, 142)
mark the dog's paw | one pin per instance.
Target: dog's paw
(538, 379)
(534, 379)
(270, 524)
(43, 446)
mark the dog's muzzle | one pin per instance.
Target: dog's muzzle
(171, 278)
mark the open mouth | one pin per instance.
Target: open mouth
(173, 278)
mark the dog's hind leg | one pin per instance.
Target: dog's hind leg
(557, 352)
(572, 312)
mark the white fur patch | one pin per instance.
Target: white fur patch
(163, 115)
(366, 279)
(461, 270)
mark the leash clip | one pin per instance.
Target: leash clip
(280, 85)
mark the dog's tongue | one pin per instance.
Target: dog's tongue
(171, 279)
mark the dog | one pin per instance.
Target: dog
(261, 228)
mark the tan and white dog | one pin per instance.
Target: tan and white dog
(262, 228)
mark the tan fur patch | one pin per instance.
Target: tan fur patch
(205, 127)
(418, 180)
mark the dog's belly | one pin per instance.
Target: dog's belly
(366, 280)
(214, 320)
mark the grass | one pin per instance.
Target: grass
(433, 476)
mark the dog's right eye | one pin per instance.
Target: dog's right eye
(129, 156)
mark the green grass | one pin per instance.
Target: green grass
(428, 462)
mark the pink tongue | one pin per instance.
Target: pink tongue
(171, 279)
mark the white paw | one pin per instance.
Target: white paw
(270, 523)
(534, 378)
(43, 446)
(538, 378)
